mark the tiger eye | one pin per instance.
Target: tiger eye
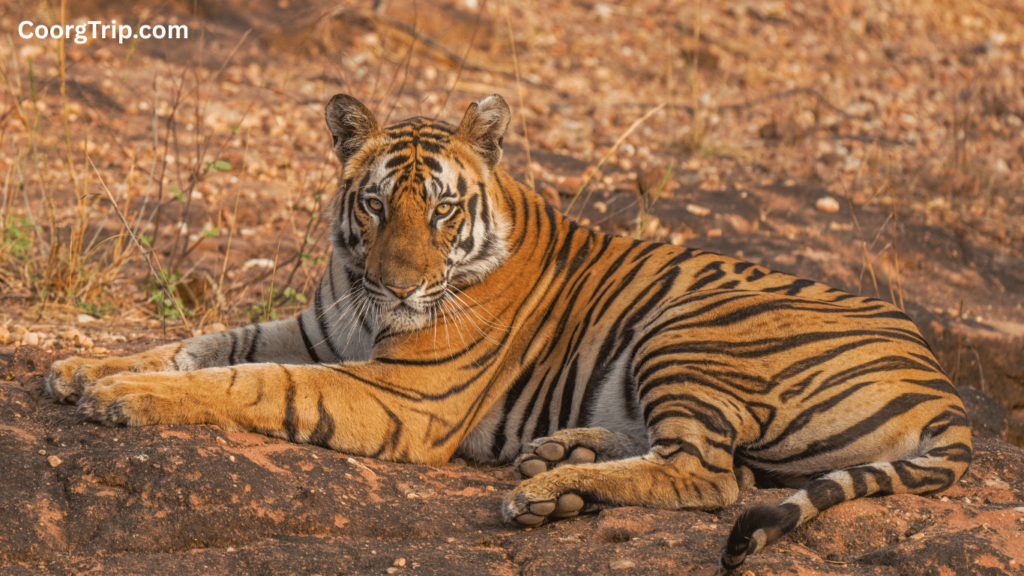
(375, 205)
(443, 209)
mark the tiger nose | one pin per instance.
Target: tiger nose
(402, 293)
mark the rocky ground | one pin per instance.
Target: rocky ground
(876, 146)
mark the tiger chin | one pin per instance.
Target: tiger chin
(460, 314)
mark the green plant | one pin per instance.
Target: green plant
(17, 237)
(97, 310)
(264, 309)
(165, 307)
(217, 166)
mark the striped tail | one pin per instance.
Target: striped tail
(932, 472)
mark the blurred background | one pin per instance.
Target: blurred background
(874, 145)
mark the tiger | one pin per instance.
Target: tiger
(461, 314)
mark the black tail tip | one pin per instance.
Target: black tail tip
(756, 528)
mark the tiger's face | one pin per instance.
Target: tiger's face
(413, 218)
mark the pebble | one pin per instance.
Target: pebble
(399, 562)
(698, 210)
(5, 336)
(392, 570)
(54, 461)
(827, 204)
(714, 233)
(622, 565)
(600, 207)
(42, 452)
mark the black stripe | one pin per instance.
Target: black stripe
(324, 431)
(254, 346)
(307, 343)
(290, 418)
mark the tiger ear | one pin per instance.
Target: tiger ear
(484, 125)
(351, 125)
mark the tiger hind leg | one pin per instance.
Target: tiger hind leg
(671, 476)
(941, 466)
(576, 446)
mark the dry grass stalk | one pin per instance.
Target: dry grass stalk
(611, 152)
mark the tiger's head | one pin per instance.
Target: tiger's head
(414, 219)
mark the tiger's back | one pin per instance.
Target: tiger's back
(461, 312)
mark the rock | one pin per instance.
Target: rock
(54, 461)
(827, 204)
(30, 339)
(5, 336)
(698, 210)
(622, 565)
(988, 418)
(86, 318)
(399, 562)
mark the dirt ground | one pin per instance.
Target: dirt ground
(876, 146)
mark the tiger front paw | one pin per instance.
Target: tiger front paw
(68, 378)
(113, 401)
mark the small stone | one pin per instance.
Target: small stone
(714, 233)
(87, 344)
(600, 207)
(622, 565)
(450, 540)
(827, 204)
(698, 210)
(221, 441)
(42, 452)
(99, 350)
(399, 562)
(231, 458)
(54, 461)
(86, 318)
(489, 488)
(392, 570)
(30, 339)
(5, 336)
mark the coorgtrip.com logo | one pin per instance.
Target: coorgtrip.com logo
(96, 29)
